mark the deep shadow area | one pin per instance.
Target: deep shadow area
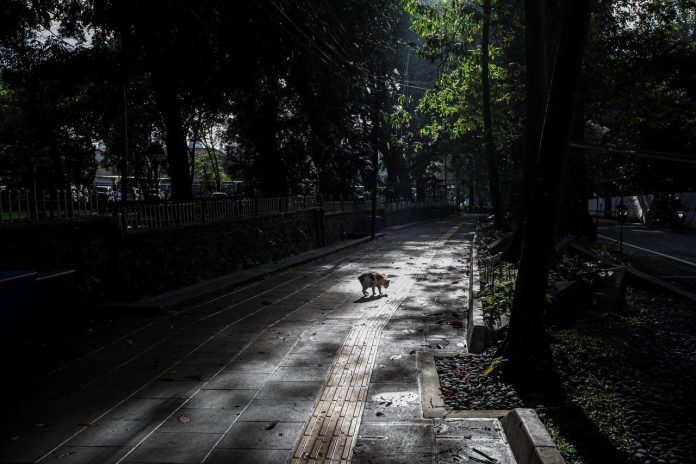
(549, 396)
(619, 388)
(368, 299)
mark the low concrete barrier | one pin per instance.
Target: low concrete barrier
(477, 332)
(528, 438)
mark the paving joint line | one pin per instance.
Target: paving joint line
(180, 313)
(330, 431)
(174, 365)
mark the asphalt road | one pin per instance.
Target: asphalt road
(656, 250)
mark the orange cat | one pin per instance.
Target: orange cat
(373, 279)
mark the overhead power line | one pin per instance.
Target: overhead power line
(664, 156)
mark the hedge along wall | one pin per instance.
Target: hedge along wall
(120, 267)
(156, 261)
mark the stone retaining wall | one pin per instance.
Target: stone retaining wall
(121, 267)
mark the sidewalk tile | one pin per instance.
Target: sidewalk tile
(262, 435)
(277, 410)
(251, 456)
(291, 390)
(87, 454)
(174, 448)
(232, 400)
(228, 380)
(199, 420)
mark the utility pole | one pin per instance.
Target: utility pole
(124, 156)
(124, 153)
(375, 157)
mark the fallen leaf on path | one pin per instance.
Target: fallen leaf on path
(194, 377)
(184, 419)
(457, 324)
(271, 425)
(455, 282)
(167, 378)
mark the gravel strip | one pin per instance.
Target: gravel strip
(464, 386)
(641, 364)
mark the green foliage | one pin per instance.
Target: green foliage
(592, 393)
(567, 449)
(638, 95)
(449, 117)
(288, 79)
(497, 299)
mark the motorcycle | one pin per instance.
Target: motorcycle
(678, 220)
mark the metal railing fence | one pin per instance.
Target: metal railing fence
(22, 206)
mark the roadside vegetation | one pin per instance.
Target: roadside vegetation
(615, 384)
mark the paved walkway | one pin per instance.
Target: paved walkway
(294, 368)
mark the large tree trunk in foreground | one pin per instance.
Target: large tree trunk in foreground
(525, 342)
(536, 89)
(489, 146)
(575, 217)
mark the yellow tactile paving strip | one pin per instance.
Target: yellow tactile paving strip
(330, 432)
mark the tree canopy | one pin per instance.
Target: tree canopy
(287, 83)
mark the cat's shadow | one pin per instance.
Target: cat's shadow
(367, 299)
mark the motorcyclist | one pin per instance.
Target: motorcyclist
(621, 212)
(678, 213)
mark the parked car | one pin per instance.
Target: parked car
(153, 194)
(133, 194)
(218, 195)
(104, 193)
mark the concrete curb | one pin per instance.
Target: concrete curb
(213, 287)
(528, 438)
(477, 337)
(639, 276)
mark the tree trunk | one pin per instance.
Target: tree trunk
(575, 217)
(175, 137)
(192, 151)
(489, 146)
(472, 190)
(525, 342)
(536, 89)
